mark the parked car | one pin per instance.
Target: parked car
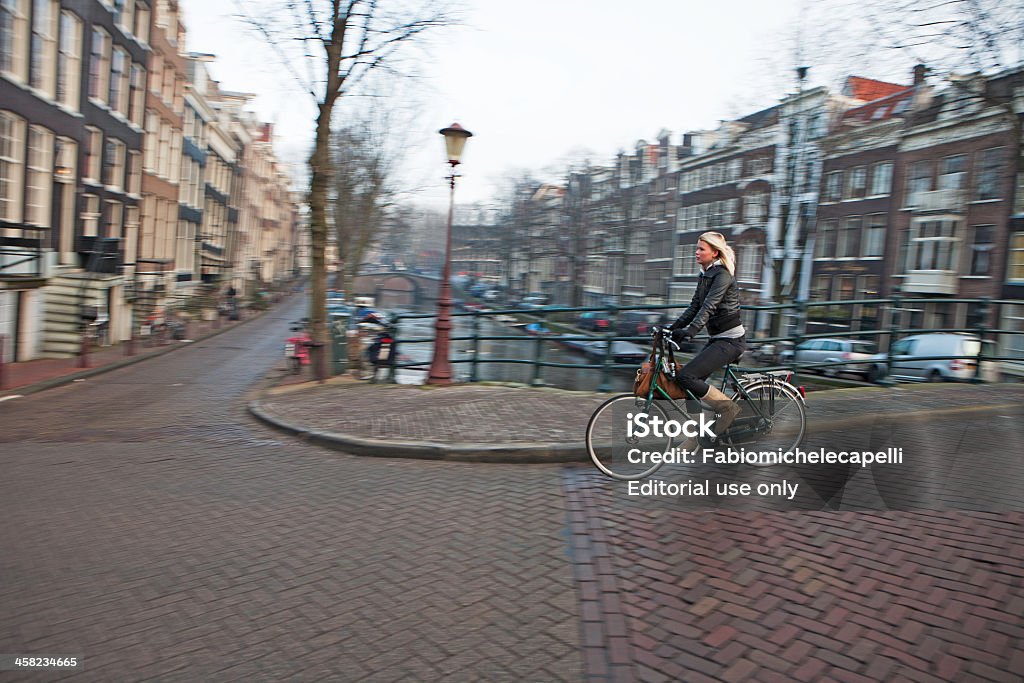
(535, 300)
(595, 321)
(491, 295)
(834, 350)
(636, 323)
(910, 358)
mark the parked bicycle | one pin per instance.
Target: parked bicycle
(626, 431)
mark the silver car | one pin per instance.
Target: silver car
(832, 351)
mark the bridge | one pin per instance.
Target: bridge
(398, 288)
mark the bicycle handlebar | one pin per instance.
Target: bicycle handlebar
(665, 333)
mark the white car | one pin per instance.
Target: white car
(939, 357)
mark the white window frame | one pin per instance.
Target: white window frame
(99, 65)
(873, 242)
(69, 61)
(1015, 258)
(90, 215)
(93, 155)
(42, 73)
(15, 41)
(12, 166)
(881, 179)
(940, 249)
(39, 176)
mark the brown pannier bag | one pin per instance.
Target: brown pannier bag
(642, 384)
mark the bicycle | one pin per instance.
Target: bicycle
(623, 443)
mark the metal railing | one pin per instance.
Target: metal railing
(790, 322)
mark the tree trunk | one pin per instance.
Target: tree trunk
(319, 175)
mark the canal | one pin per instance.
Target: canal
(577, 379)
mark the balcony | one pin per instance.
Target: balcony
(937, 201)
(22, 257)
(930, 282)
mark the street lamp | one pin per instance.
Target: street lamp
(455, 137)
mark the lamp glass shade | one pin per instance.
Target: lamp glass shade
(455, 137)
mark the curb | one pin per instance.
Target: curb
(117, 365)
(427, 450)
(532, 453)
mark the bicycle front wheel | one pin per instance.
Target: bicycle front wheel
(617, 441)
(774, 418)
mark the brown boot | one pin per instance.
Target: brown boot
(727, 410)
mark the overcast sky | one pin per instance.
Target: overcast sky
(537, 81)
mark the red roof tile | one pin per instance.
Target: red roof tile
(868, 89)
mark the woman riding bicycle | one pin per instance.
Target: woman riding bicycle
(716, 304)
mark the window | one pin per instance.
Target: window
(12, 137)
(833, 186)
(981, 249)
(112, 219)
(756, 207)
(134, 182)
(141, 30)
(93, 151)
(113, 164)
(39, 176)
(856, 184)
(137, 94)
(881, 178)
(849, 240)
(43, 49)
(69, 69)
(868, 286)
(822, 288)
(847, 285)
(156, 73)
(13, 38)
(1015, 268)
(149, 141)
(123, 14)
(920, 179)
(99, 64)
(732, 209)
(953, 172)
(989, 170)
(685, 263)
(90, 215)
(749, 267)
(825, 245)
(874, 235)
(934, 245)
(119, 66)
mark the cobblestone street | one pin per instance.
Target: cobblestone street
(158, 532)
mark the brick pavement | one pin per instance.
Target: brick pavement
(153, 529)
(671, 593)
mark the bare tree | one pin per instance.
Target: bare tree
(361, 192)
(332, 48)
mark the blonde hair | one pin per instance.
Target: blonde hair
(716, 241)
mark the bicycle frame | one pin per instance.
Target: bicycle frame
(760, 420)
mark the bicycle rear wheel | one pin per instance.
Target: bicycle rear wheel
(613, 439)
(772, 419)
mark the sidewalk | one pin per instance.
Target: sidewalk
(502, 423)
(31, 376)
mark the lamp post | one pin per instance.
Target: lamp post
(455, 137)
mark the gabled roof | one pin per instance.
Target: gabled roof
(868, 89)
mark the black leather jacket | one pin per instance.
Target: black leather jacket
(716, 303)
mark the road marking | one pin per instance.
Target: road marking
(8, 398)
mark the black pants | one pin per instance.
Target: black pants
(717, 353)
